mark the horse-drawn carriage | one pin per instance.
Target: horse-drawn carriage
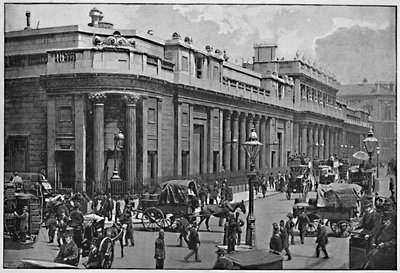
(14, 203)
(300, 181)
(337, 204)
(162, 210)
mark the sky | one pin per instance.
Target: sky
(351, 42)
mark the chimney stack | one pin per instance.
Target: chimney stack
(264, 53)
(28, 20)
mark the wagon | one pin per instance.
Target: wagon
(299, 182)
(14, 202)
(163, 210)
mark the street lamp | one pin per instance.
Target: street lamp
(118, 143)
(378, 151)
(252, 148)
(370, 144)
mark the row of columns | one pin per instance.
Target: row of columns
(317, 140)
(131, 101)
(238, 125)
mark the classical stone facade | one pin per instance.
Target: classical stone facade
(70, 89)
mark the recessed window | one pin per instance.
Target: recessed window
(152, 115)
(65, 113)
(185, 119)
(185, 63)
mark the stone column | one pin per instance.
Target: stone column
(304, 138)
(51, 141)
(336, 142)
(321, 141)
(268, 141)
(331, 145)
(327, 142)
(296, 132)
(235, 134)
(257, 127)
(210, 154)
(262, 137)
(159, 137)
(98, 141)
(191, 132)
(316, 140)
(227, 140)
(178, 139)
(242, 139)
(310, 143)
(80, 143)
(131, 101)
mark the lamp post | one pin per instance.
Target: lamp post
(378, 151)
(252, 148)
(370, 144)
(118, 143)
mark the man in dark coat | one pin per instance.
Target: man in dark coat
(194, 243)
(275, 243)
(69, 253)
(322, 239)
(159, 252)
(289, 227)
(370, 222)
(126, 221)
(239, 223)
(232, 232)
(182, 226)
(108, 207)
(76, 222)
(383, 252)
(63, 220)
(285, 239)
(302, 223)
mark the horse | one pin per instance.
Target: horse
(116, 232)
(220, 211)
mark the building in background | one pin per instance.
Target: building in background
(69, 90)
(380, 100)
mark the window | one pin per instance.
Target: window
(199, 67)
(185, 63)
(185, 119)
(151, 116)
(17, 153)
(216, 72)
(65, 114)
(152, 164)
(280, 91)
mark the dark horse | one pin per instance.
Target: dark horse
(116, 233)
(220, 211)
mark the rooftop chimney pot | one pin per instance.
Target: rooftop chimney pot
(28, 19)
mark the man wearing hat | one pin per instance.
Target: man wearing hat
(183, 229)
(126, 219)
(275, 243)
(302, 223)
(76, 223)
(194, 243)
(383, 251)
(23, 223)
(159, 252)
(285, 238)
(63, 220)
(370, 222)
(322, 239)
(289, 226)
(68, 253)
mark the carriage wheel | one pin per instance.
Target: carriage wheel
(151, 218)
(312, 228)
(106, 250)
(341, 228)
(167, 221)
(223, 263)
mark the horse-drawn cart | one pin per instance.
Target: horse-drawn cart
(163, 210)
(299, 182)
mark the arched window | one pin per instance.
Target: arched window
(386, 112)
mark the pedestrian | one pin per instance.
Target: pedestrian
(118, 211)
(126, 221)
(391, 186)
(285, 239)
(16, 178)
(263, 186)
(239, 223)
(275, 243)
(51, 226)
(182, 227)
(302, 223)
(63, 219)
(232, 232)
(194, 244)
(108, 207)
(69, 253)
(159, 252)
(322, 239)
(76, 222)
(290, 226)
(271, 180)
(23, 224)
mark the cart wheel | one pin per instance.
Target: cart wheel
(223, 263)
(151, 218)
(312, 228)
(344, 228)
(167, 221)
(106, 250)
(288, 195)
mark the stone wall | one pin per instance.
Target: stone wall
(25, 114)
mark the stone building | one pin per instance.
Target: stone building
(380, 100)
(69, 90)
